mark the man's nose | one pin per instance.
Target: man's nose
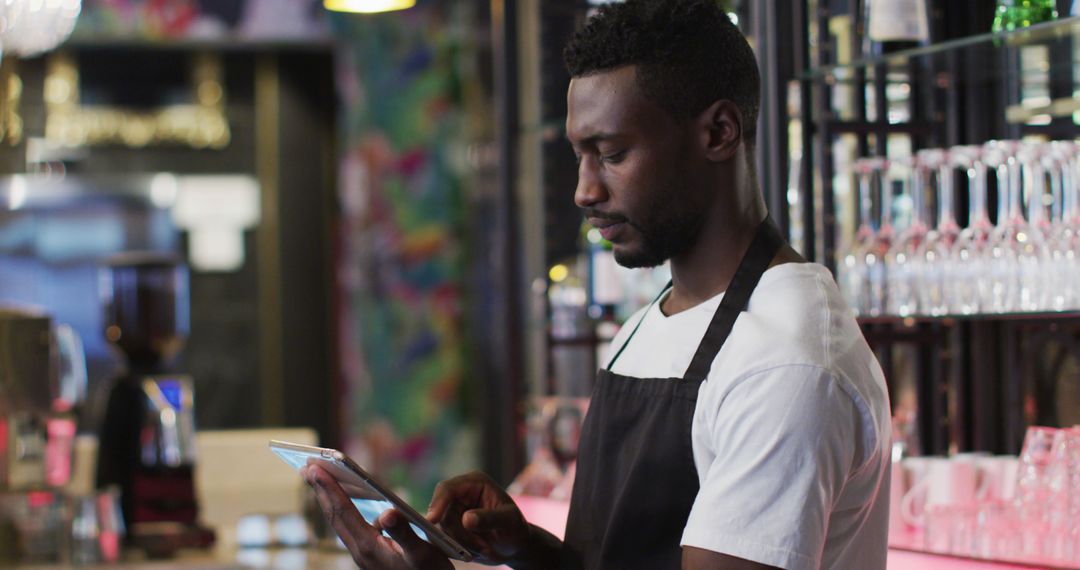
(589, 190)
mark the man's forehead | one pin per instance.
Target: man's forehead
(621, 81)
(603, 103)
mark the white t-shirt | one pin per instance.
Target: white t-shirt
(791, 432)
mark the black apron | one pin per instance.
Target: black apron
(636, 479)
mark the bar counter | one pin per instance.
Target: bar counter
(546, 513)
(316, 559)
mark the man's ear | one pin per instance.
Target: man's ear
(721, 130)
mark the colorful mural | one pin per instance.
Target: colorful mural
(402, 265)
(202, 19)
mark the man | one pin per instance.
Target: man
(742, 421)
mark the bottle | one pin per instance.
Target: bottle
(894, 25)
(1014, 14)
(605, 286)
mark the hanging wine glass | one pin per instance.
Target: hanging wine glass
(1064, 267)
(862, 265)
(969, 254)
(905, 271)
(936, 250)
(1031, 252)
(1042, 180)
(1002, 261)
(1069, 236)
(877, 270)
(852, 269)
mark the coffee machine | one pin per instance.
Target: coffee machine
(42, 382)
(25, 397)
(148, 431)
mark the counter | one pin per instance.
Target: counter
(278, 559)
(546, 513)
(310, 559)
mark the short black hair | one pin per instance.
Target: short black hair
(688, 55)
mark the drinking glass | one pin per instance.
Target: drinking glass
(936, 250)
(1064, 240)
(1033, 489)
(1063, 507)
(1032, 256)
(864, 267)
(1004, 241)
(996, 535)
(938, 534)
(877, 270)
(905, 271)
(853, 269)
(970, 252)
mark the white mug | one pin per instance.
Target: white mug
(914, 472)
(999, 476)
(944, 481)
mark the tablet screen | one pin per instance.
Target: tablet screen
(370, 509)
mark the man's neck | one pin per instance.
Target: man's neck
(706, 270)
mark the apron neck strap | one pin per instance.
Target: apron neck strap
(767, 242)
(638, 325)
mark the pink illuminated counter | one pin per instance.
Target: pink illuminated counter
(551, 515)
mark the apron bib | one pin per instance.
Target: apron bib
(636, 479)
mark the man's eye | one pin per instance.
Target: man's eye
(613, 157)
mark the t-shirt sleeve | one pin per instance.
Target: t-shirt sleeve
(785, 441)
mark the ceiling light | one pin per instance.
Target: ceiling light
(367, 6)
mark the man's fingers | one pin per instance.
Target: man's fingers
(501, 518)
(397, 526)
(440, 503)
(417, 552)
(449, 492)
(465, 491)
(359, 537)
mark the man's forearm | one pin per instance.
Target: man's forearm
(541, 552)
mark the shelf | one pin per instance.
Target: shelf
(987, 317)
(972, 49)
(217, 44)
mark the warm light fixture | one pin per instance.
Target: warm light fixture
(558, 273)
(367, 6)
(32, 27)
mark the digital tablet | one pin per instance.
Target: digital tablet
(370, 497)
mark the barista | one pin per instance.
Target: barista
(741, 421)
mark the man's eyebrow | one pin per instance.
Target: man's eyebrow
(593, 138)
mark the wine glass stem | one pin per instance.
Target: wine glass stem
(918, 192)
(1036, 211)
(1056, 188)
(1016, 194)
(865, 220)
(977, 189)
(886, 203)
(1069, 207)
(946, 214)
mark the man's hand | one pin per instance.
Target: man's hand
(369, 548)
(474, 510)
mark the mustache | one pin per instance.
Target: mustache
(593, 213)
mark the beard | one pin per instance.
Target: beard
(669, 226)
